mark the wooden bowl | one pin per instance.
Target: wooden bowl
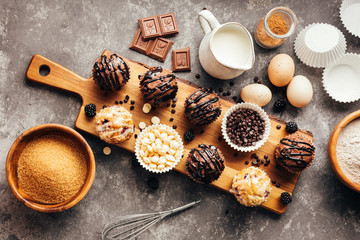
(13, 157)
(332, 151)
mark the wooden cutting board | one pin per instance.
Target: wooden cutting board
(62, 78)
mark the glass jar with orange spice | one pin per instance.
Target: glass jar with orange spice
(275, 27)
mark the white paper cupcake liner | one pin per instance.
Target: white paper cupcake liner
(341, 80)
(141, 136)
(262, 114)
(319, 44)
(350, 16)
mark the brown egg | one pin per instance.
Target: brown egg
(281, 70)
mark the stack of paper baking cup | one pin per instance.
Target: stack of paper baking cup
(320, 44)
(341, 79)
(350, 16)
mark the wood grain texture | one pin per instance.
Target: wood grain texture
(62, 78)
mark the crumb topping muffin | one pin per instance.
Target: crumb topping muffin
(111, 72)
(202, 107)
(205, 163)
(158, 86)
(295, 152)
(114, 124)
(251, 186)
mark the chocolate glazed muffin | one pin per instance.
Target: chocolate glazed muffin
(295, 152)
(111, 72)
(205, 163)
(202, 107)
(158, 86)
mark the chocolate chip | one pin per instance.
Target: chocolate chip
(116, 102)
(171, 119)
(254, 155)
(262, 161)
(132, 102)
(273, 181)
(266, 156)
(132, 108)
(220, 90)
(173, 111)
(278, 185)
(104, 106)
(204, 8)
(174, 127)
(127, 97)
(228, 93)
(254, 163)
(197, 76)
(231, 83)
(153, 183)
(135, 136)
(126, 100)
(121, 102)
(223, 94)
(234, 98)
(256, 79)
(278, 127)
(227, 211)
(246, 162)
(173, 105)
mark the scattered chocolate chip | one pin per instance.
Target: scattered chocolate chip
(153, 183)
(132, 102)
(171, 119)
(266, 164)
(174, 127)
(132, 108)
(127, 97)
(168, 104)
(220, 90)
(227, 211)
(116, 102)
(254, 162)
(278, 127)
(256, 79)
(175, 99)
(278, 185)
(254, 155)
(273, 181)
(104, 106)
(234, 98)
(262, 161)
(135, 136)
(121, 102)
(173, 105)
(125, 100)
(231, 83)
(173, 111)
(266, 156)
(236, 154)
(223, 94)
(204, 8)
(228, 93)
(246, 162)
(197, 76)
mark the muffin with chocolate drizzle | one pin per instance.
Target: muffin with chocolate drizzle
(158, 86)
(111, 72)
(295, 152)
(205, 163)
(202, 107)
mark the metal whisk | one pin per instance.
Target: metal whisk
(131, 226)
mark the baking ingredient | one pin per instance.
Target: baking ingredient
(155, 120)
(281, 70)
(263, 38)
(153, 183)
(142, 125)
(277, 24)
(107, 150)
(348, 151)
(299, 92)
(51, 169)
(291, 127)
(189, 135)
(285, 198)
(258, 94)
(90, 110)
(146, 108)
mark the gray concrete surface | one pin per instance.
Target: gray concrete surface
(74, 33)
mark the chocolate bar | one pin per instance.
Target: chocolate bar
(168, 24)
(181, 60)
(150, 27)
(162, 25)
(139, 44)
(159, 48)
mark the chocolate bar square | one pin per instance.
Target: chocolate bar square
(181, 60)
(168, 24)
(139, 44)
(159, 48)
(149, 27)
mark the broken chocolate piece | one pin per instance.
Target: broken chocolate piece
(139, 44)
(181, 60)
(160, 48)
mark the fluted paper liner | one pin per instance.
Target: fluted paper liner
(141, 136)
(341, 79)
(350, 16)
(262, 114)
(319, 58)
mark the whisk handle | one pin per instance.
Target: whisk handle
(189, 205)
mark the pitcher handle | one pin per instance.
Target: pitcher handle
(207, 21)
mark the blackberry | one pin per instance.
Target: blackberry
(90, 110)
(285, 198)
(291, 127)
(189, 135)
(153, 183)
(279, 105)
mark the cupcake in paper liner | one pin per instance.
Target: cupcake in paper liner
(350, 17)
(251, 187)
(205, 163)
(295, 152)
(341, 79)
(319, 44)
(245, 127)
(159, 148)
(202, 106)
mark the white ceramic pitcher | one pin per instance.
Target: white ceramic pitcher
(227, 50)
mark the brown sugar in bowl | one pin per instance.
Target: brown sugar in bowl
(19, 145)
(332, 150)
